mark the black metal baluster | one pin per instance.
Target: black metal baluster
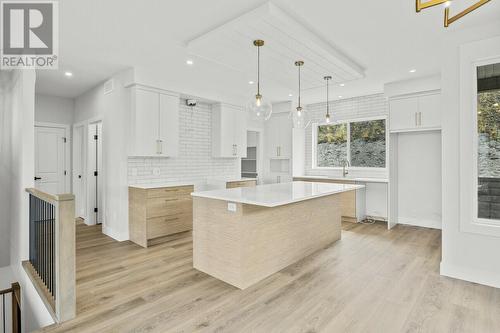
(3, 311)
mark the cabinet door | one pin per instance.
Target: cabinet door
(240, 132)
(169, 125)
(146, 129)
(228, 148)
(403, 114)
(285, 137)
(429, 108)
(272, 136)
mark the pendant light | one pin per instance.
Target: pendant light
(258, 107)
(327, 116)
(300, 117)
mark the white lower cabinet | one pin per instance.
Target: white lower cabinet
(229, 131)
(154, 122)
(415, 113)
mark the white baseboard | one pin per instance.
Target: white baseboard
(486, 278)
(420, 222)
(114, 234)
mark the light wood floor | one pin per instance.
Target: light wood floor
(373, 280)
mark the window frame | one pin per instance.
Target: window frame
(314, 157)
(472, 56)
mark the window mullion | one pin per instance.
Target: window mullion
(348, 124)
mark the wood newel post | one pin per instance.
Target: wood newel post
(65, 300)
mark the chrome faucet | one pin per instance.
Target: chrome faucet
(345, 165)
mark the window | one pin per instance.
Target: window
(488, 141)
(362, 143)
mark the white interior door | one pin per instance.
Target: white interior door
(99, 194)
(50, 159)
(94, 173)
(79, 170)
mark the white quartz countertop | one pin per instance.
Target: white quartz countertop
(164, 184)
(273, 195)
(356, 179)
(196, 183)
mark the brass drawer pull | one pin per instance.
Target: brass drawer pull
(172, 199)
(171, 190)
(171, 219)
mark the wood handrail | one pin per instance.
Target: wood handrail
(52, 198)
(6, 291)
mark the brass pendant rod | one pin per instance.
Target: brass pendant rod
(327, 99)
(449, 20)
(258, 70)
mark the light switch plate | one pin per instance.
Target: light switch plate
(156, 171)
(231, 207)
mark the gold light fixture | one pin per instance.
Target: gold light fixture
(447, 19)
(327, 116)
(259, 108)
(300, 116)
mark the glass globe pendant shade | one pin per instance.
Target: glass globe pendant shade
(300, 118)
(259, 109)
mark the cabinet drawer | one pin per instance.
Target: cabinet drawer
(171, 192)
(167, 225)
(168, 206)
(248, 183)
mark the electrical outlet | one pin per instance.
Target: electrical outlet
(231, 207)
(156, 171)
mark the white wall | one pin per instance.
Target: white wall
(419, 178)
(19, 114)
(467, 256)
(89, 105)
(194, 161)
(6, 137)
(51, 109)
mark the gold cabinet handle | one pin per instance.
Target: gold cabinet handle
(171, 219)
(171, 199)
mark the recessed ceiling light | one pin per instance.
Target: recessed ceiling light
(189, 62)
(340, 96)
(413, 70)
(68, 74)
(290, 95)
(250, 82)
(342, 84)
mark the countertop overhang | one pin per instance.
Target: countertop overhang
(274, 195)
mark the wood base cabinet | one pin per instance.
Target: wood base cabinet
(159, 212)
(352, 203)
(242, 183)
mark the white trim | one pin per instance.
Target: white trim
(473, 55)
(68, 179)
(419, 222)
(314, 133)
(486, 278)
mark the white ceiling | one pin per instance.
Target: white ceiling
(385, 38)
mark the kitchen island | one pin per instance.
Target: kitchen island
(243, 235)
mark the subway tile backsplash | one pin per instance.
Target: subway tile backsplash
(194, 162)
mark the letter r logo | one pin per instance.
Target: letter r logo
(27, 28)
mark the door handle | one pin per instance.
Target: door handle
(38, 178)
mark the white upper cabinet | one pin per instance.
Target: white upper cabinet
(415, 113)
(154, 122)
(229, 131)
(278, 134)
